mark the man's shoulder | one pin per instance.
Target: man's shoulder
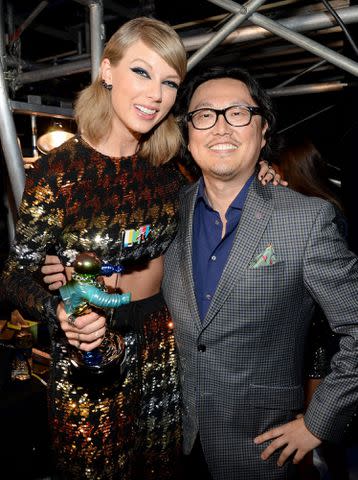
(303, 211)
(286, 197)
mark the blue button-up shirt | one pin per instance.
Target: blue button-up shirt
(210, 251)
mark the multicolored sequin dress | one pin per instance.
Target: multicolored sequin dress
(124, 210)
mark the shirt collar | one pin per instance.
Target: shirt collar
(201, 192)
(237, 203)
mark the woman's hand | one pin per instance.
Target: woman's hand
(268, 174)
(85, 332)
(53, 272)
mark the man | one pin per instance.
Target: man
(252, 262)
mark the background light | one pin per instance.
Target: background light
(53, 138)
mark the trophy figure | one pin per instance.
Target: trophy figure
(79, 294)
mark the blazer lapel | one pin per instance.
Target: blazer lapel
(255, 216)
(186, 239)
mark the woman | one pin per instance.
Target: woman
(112, 191)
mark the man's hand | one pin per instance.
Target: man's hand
(294, 438)
(53, 272)
(85, 332)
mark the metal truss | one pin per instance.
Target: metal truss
(263, 27)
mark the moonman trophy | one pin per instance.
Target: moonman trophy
(82, 292)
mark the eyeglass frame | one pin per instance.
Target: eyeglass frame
(251, 108)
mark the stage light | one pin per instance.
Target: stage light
(53, 138)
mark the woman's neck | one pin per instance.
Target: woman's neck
(117, 144)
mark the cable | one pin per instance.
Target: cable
(341, 24)
(39, 379)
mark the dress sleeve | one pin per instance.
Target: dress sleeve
(322, 344)
(38, 227)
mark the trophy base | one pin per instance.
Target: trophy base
(107, 364)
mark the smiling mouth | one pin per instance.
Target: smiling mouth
(145, 110)
(223, 146)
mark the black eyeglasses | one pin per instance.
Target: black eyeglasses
(236, 116)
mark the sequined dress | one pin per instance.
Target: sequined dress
(124, 209)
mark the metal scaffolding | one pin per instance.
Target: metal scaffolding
(264, 27)
(10, 146)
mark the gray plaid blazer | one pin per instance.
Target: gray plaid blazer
(242, 368)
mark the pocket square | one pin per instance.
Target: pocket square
(264, 259)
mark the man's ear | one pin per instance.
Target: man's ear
(106, 71)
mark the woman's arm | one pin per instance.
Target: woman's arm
(38, 227)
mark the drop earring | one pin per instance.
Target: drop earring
(106, 85)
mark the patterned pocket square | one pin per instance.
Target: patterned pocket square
(264, 259)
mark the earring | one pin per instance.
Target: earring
(106, 85)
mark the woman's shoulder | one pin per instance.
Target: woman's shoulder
(174, 171)
(57, 160)
(63, 164)
(66, 155)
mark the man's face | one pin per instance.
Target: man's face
(223, 151)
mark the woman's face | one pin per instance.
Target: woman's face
(144, 88)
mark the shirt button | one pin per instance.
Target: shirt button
(208, 296)
(201, 348)
(213, 258)
(217, 222)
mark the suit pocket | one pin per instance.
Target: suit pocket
(280, 397)
(265, 283)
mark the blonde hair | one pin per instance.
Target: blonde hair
(93, 108)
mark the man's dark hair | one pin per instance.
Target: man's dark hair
(261, 98)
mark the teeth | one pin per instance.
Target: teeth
(148, 111)
(223, 146)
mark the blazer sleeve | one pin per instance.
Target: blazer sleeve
(331, 276)
(37, 228)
